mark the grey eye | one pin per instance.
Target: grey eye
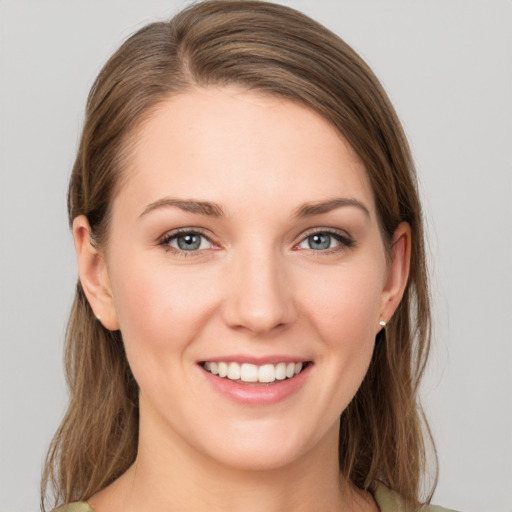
(188, 242)
(319, 241)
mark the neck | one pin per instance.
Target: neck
(170, 476)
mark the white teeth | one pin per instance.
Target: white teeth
(247, 372)
(223, 369)
(233, 371)
(281, 371)
(267, 373)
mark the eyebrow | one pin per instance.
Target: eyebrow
(193, 206)
(317, 208)
(215, 210)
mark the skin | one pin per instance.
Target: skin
(254, 287)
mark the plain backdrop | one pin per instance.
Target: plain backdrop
(447, 67)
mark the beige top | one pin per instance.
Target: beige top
(387, 500)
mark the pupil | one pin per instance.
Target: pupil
(319, 241)
(189, 242)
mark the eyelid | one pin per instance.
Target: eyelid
(164, 240)
(324, 229)
(342, 236)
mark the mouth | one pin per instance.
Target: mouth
(252, 374)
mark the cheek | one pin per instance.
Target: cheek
(160, 306)
(345, 302)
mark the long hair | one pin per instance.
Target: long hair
(274, 50)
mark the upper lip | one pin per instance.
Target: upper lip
(257, 360)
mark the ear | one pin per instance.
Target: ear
(93, 273)
(398, 271)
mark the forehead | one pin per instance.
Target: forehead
(229, 145)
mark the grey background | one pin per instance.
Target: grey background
(446, 66)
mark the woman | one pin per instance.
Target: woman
(252, 318)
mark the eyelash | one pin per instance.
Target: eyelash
(344, 240)
(169, 237)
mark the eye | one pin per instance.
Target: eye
(325, 240)
(188, 241)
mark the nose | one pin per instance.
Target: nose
(258, 293)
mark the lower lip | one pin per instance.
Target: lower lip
(261, 394)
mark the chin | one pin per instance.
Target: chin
(259, 458)
(264, 448)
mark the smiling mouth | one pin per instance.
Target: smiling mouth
(247, 373)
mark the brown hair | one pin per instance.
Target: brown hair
(276, 50)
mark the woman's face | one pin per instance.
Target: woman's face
(245, 240)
